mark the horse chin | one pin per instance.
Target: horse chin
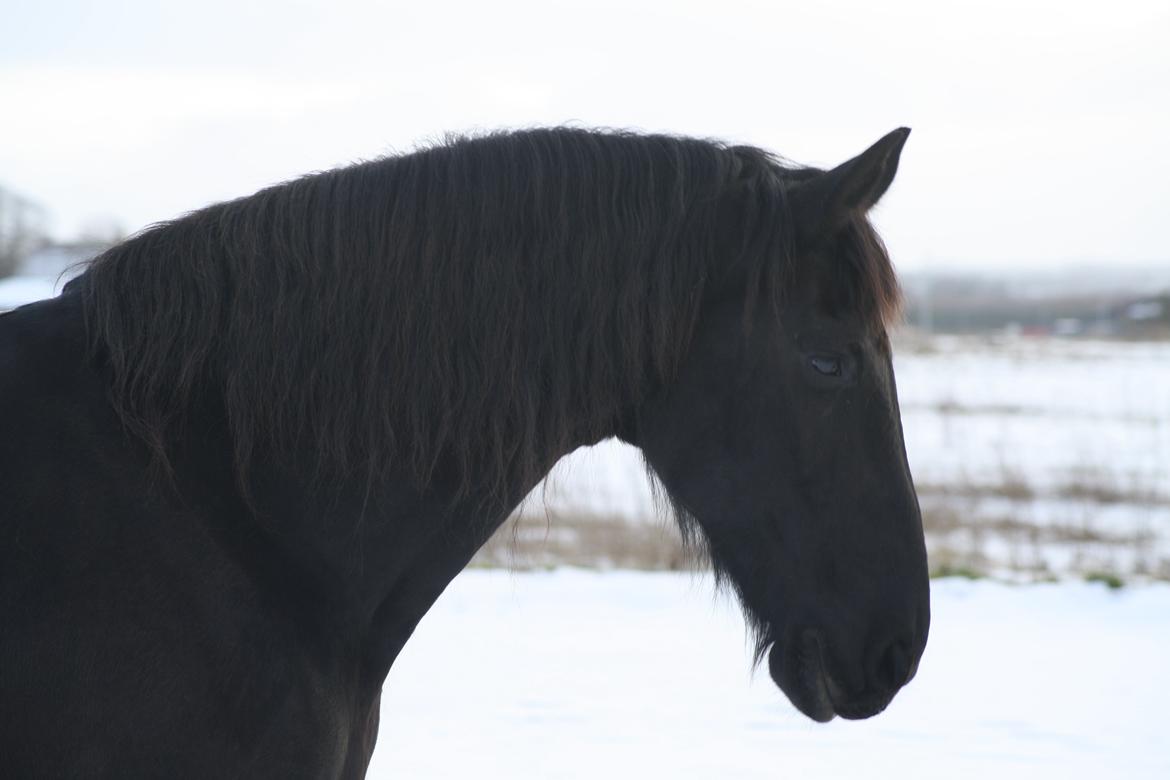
(799, 671)
(802, 678)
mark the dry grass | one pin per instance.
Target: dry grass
(947, 519)
(533, 541)
(950, 406)
(1084, 485)
(967, 535)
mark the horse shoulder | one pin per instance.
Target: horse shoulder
(131, 637)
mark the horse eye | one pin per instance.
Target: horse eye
(826, 364)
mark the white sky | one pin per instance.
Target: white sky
(1040, 128)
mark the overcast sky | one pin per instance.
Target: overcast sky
(1040, 128)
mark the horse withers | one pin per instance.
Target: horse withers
(246, 450)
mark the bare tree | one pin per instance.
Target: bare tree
(22, 230)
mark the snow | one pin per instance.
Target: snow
(1045, 408)
(573, 674)
(1049, 411)
(607, 480)
(1038, 433)
(18, 290)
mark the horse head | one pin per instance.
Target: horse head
(780, 443)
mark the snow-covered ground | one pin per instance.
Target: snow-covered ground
(974, 411)
(1049, 409)
(574, 674)
(1042, 457)
(44, 273)
(18, 290)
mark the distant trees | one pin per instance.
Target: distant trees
(100, 230)
(22, 230)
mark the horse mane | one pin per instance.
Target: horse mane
(471, 309)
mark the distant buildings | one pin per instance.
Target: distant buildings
(1072, 306)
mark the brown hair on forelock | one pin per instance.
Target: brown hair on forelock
(478, 306)
(876, 294)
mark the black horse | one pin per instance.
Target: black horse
(246, 450)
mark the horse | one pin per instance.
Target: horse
(246, 450)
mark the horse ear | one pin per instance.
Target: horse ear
(825, 203)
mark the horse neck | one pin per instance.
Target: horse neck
(374, 560)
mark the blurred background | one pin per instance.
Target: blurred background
(1028, 223)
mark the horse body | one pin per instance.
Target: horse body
(233, 479)
(122, 607)
(151, 629)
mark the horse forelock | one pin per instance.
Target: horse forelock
(869, 282)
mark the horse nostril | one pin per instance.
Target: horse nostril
(893, 666)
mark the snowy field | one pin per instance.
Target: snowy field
(574, 674)
(1033, 459)
(1046, 457)
(18, 290)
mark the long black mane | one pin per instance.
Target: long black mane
(478, 306)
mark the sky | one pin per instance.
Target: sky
(1039, 128)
